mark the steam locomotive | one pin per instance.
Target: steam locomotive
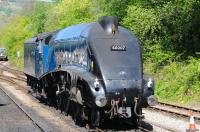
(92, 71)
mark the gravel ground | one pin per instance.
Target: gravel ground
(43, 115)
(167, 121)
(12, 119)
(8, 74)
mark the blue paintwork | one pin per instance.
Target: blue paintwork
(44, 56)
(36, 62)
(51, 63)
(73, 32)
(65, 40)
(65, 47)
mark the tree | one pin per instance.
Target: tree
(117, 7)
(69, 12)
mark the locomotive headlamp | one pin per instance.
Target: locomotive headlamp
(96, 83)
(150, 83)
(101, 101)
(111, 28)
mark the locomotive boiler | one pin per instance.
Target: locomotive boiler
(92, 71)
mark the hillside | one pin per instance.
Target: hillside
(8, 8)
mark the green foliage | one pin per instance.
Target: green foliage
(116, 7)
(179, 81)
(69, 12)
(150, 3)
(39, 17)
(180, 26)
(14, 36)
(45, 17)
(144, 22)
(169, 30)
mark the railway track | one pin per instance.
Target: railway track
(19, 106)
(6, 68)
(12, 81)
(19, 75)
(176, 110)
(14, 78)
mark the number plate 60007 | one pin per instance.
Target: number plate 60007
(118, 48)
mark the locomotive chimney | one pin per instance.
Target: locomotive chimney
(109, 24)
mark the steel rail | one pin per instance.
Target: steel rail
(6, 68)
(19, 106)
(176, 110)
(181, 107)
(16, 78)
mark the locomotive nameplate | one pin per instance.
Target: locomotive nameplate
(118, 48)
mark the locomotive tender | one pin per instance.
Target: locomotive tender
(92, 70)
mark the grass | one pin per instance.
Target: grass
(178, 82)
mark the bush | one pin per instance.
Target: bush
(69, 12)
(179, 81)
(145, 23)
(14, 36)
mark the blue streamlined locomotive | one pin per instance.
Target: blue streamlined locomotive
(92, 71)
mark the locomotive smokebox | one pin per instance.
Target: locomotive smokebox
(109, 24)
